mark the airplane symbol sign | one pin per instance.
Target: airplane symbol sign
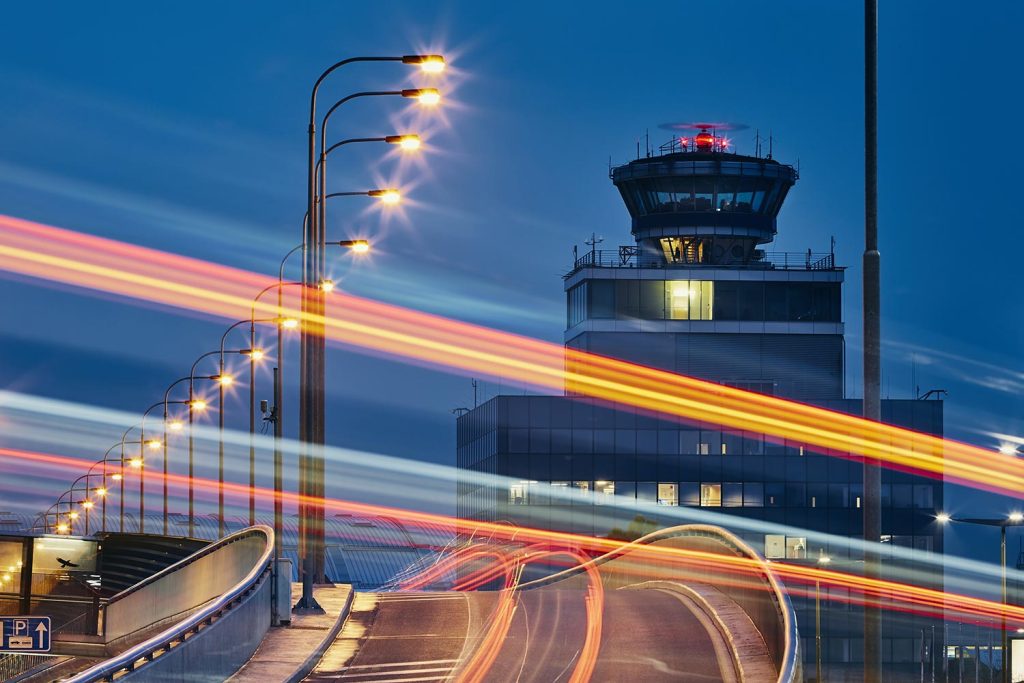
(25, 634)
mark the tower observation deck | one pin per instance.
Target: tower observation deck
(697, 293)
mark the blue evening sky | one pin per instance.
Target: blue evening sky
(181, 127)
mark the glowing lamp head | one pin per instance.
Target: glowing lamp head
(1016, 517)
(824, 559)
(289, 323)
(409, 143)
(327, 286)
(154, 444)
(431, 64)
(359, 246)
(704, 141)
(175, 425)
(5, 577)
(387, 196)
(254, 354)
(225, 380)
(135, 463)
(72, 515)
(62, 528)
(117, 476)
(428, 96)
(1008, 448)
(198, 404)
(101, 492)
(943, 518)
(87, 504)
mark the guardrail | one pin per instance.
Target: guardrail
(175, 653)
(778, 625)
(628, 257)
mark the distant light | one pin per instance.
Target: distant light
(62, 528)
(431, 64)
(198, 404)
(101, 492)
(428, 96)
(175, 425)
(225, 380)
(1017, 517)
(824, 559)
(135, 462)
(6, 577)
(117, 476)
(153, 444)
(254, 354)
(1020, 630)
(943, 518)
(87, 504)
(327, 286)
(360, 246)
(1007, 448)
(73, 515)
(289, 323)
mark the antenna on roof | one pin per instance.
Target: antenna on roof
(771, 140)
(647, 143)
(638, 148)
(757, 143)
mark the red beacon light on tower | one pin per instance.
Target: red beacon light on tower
(705, 141)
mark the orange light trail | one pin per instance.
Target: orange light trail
(890, 594)
(135, 272)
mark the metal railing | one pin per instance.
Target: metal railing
(181, 633)
(628, 257)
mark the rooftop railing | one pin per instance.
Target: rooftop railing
(629, 257)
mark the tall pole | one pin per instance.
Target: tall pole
(1003, 640)
(872, 340)
(252, 424)
(220, 450)
(165, 467)
(191, 463)
(817, 630)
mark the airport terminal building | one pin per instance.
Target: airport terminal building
(698, 294)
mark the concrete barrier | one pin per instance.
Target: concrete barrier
(225, 591)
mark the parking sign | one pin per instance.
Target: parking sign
(25, 634)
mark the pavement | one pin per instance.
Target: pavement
(647, 635)
(288, 652)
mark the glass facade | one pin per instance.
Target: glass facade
(687, 194)
(703, 300)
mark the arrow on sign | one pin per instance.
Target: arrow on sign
(41, 630)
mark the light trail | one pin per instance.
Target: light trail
(889, 594)
(70, 258)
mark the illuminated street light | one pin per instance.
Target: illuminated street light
(101, 492)
(1007, 448)
(406, 142)
(87, 504)
(288, 323)
(175, 425)
(117, 476)
(154, 444)
(357, 246)
(198, 404)
(225, 380)
(390, 196)
(135, 463)
(428, 96)
(824, 559)
(431, 64)
(327, 286)
(72, 515)
(254, 354)
(62, 528)
(943, 518)
(1016, 517)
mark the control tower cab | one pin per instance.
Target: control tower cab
(696, 293)
(700, 203)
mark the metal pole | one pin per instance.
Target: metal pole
(121, 495)
(872, 339)
(191, 464)
(220, 451)
(1003, 641)
(165, 467)
(817, 630)
(252, 425)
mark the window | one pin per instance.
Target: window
(559, 493)
(689, 493)
(923, 496)
(603, 492)
(576, 304)
(646, 492)
(689, 299)
(732, 495)
(753, 495)
(796, 548)
(668, 494)
(581, 489)
(519, 493)
(625, 489)
(774, 546)
(711, 495)
(602, 298)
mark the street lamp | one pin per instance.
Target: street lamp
(311, 358)
(1015, 518)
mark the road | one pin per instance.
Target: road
(647, 635)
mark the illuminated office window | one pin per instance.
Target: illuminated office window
(668, 494)
(711, 495)
(581, 489)
(796, 548)
(774, 546)
(689, 299)
(518, 493)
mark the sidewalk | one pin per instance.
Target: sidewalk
(284, 651)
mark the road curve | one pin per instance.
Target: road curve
(647, 635)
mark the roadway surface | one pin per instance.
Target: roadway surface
(647, 635)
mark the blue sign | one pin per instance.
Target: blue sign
(25, 634)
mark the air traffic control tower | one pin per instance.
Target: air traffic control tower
(698, 293)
